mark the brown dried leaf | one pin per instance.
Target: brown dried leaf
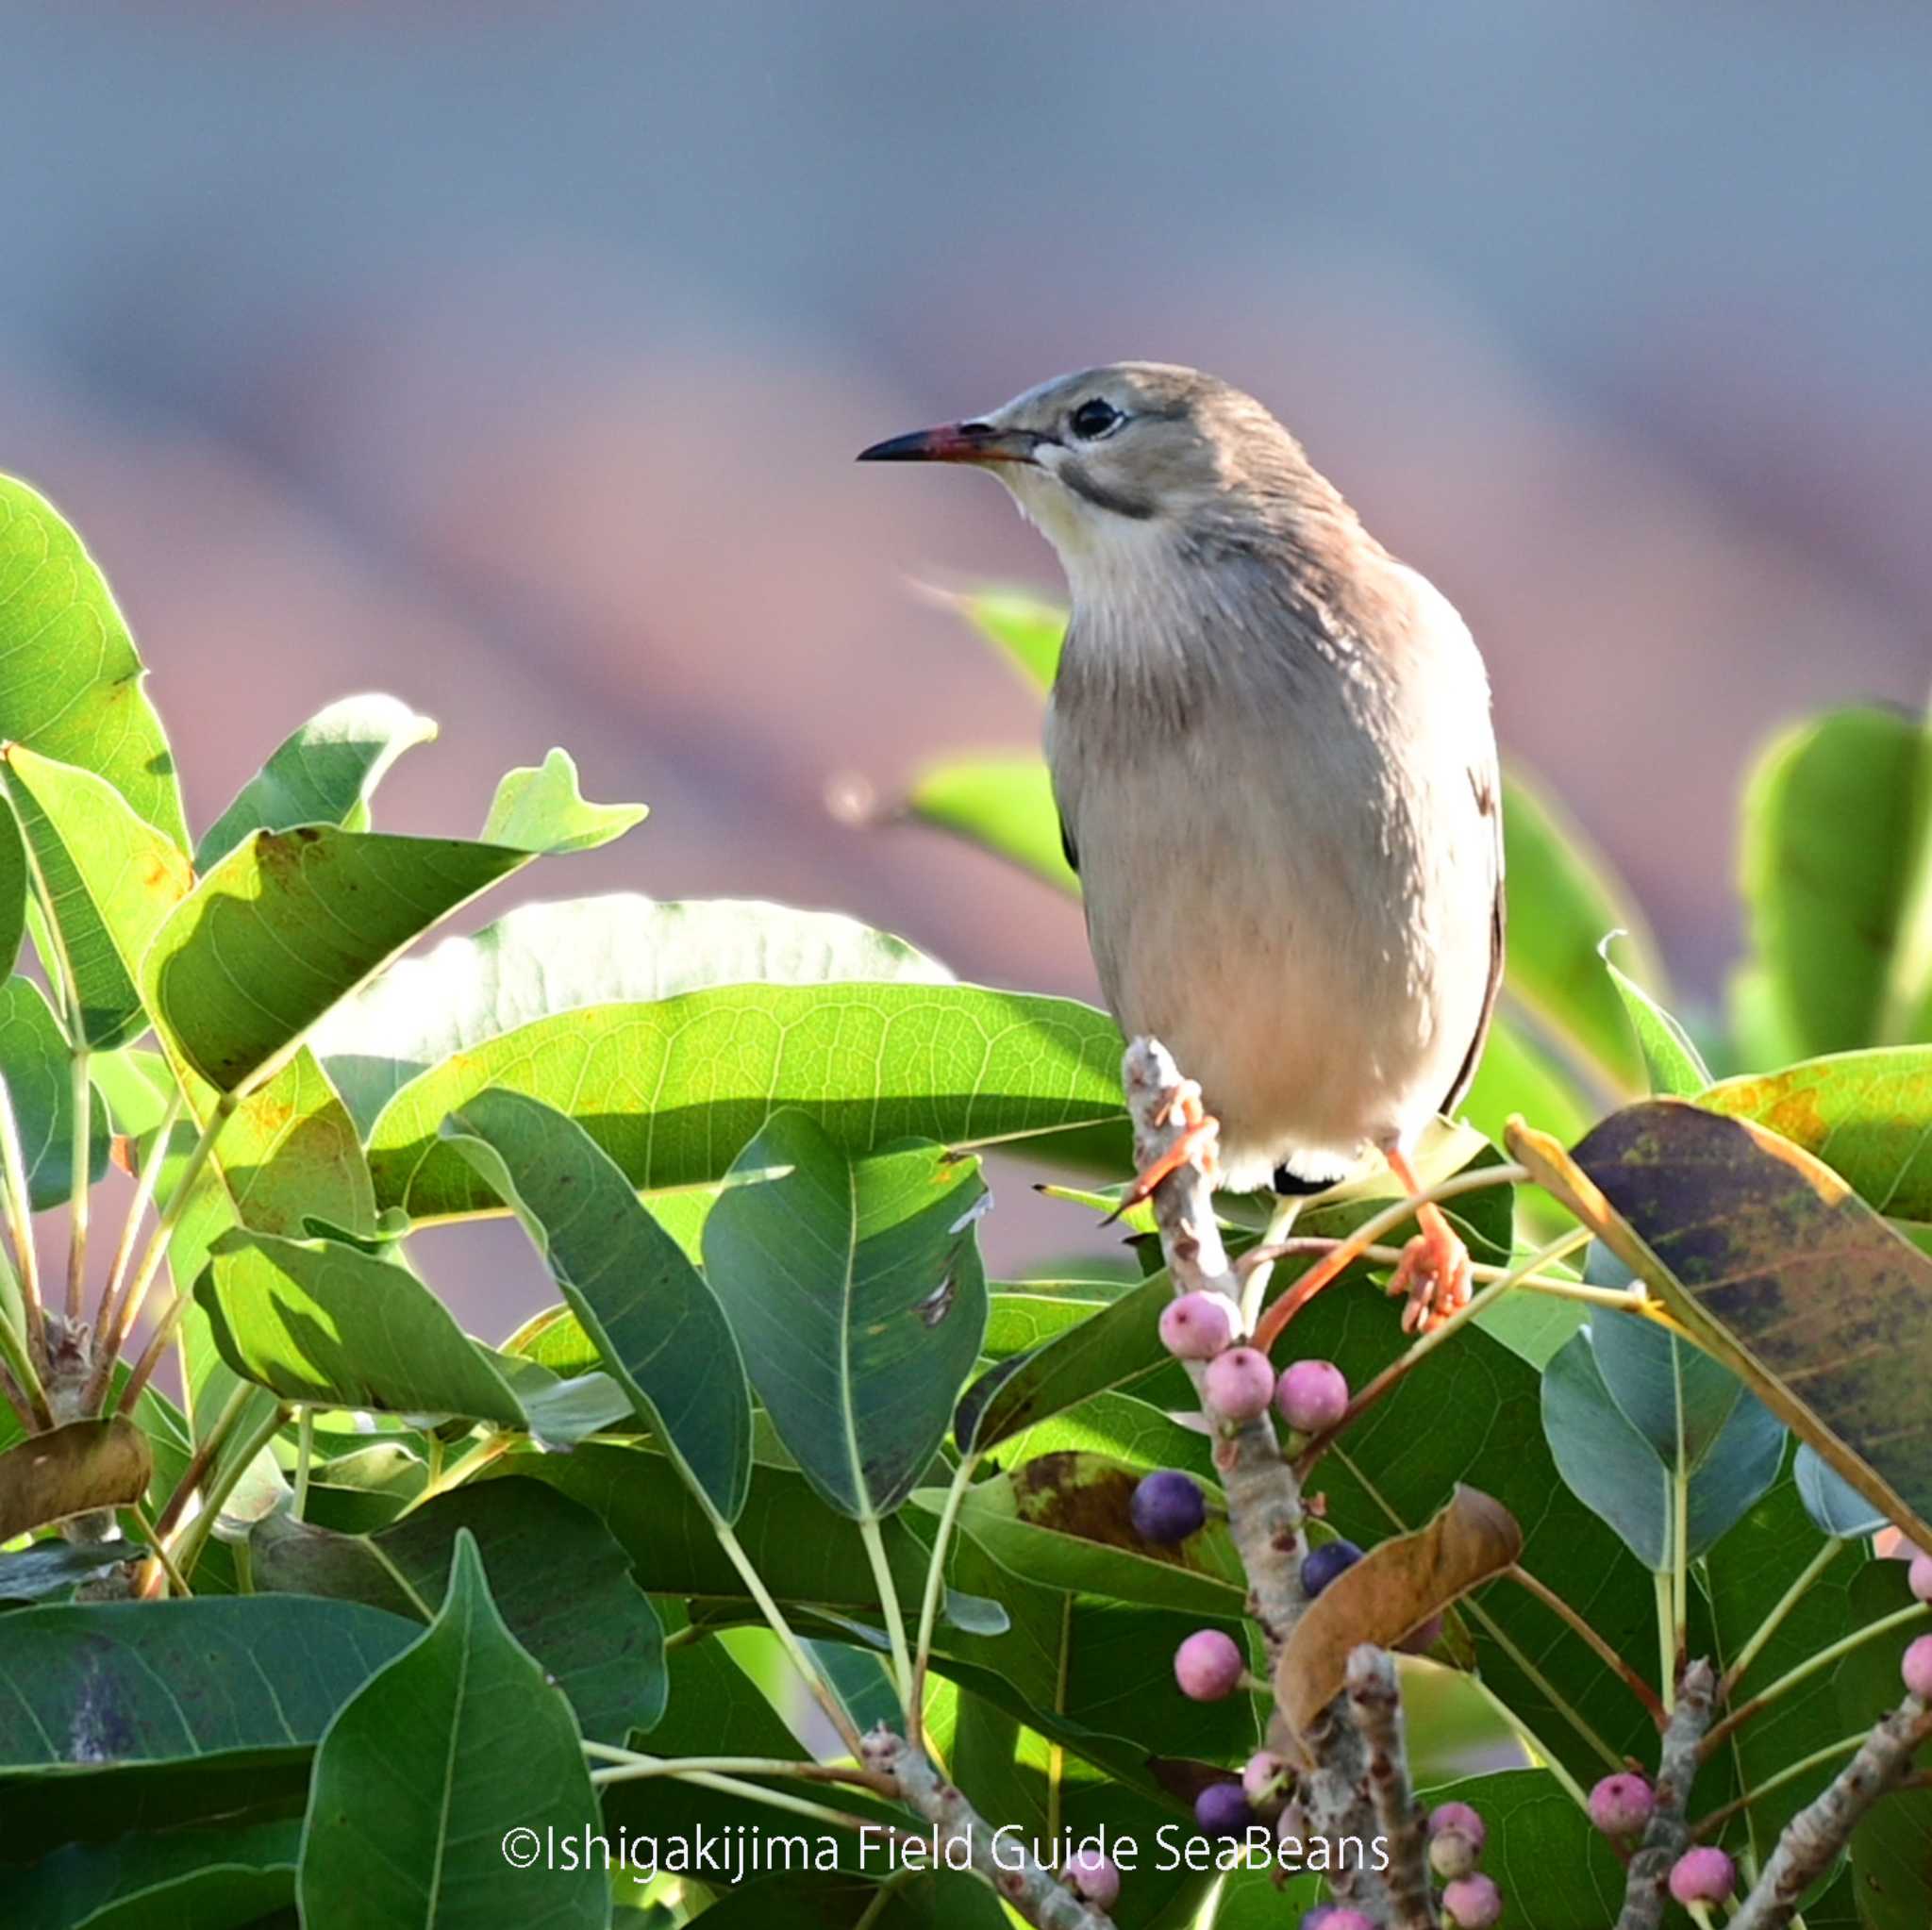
(1777, 1268)
(72, 1471)
(1394, 1587)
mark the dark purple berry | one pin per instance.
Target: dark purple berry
(1325, 1563)
(1168, 1507)
(1222, 1810)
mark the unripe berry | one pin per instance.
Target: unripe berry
(1919, 1577)
(1703, 1876)
(1311, 1395)
(1620, 1805)
(1462, 1820)
(1453, 1855)
(1472, 1902)
(1196, 1326)
(1090, 1875)
(1264, 1781)
(1209, 1666)
(1167, 1507)
(1240, 1383)
(1222, 1810)
(1325, 1563)
(1917, 1669)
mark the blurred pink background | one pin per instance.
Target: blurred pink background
(512, 357)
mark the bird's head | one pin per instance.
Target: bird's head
(1111, 458)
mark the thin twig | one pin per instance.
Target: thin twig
(628, 1765)
(81, 1186)
(935, 1588)
(1666, 1836)
(204, 1456)
(108, 1318)
(1605, 1653)
(20, 1227)
(1775, 1621)
(1376, 1700)
(1789, 1774)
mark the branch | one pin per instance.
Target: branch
(1027, 1885)
(1818, 1831)
(1377, 1699)
(1667, 1835)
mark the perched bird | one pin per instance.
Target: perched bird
(1276, 778)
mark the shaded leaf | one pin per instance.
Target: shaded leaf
(1003, 805)
(673, 1090)
(656, 1325)
(427, 1768)
(72, 1471)
(38, 1068)
(1836, 1506)
(1675, 1067)
(188, 1879)
(1393, 1588)
(542, 959)
(542, 810)
(321, 774)
(855, 1289)
(52, 1567)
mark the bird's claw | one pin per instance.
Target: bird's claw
(1200, 1130)
(1435, 1274)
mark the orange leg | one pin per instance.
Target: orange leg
(1196, 1141)
(1434, 1271)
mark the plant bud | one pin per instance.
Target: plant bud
(1196, 1326)
(1240, 1383)
(1472, 1902)
(1620, 1805)
(1462, 1820)
(1311, 1395)
(1265, 1782)
(1451, 1854)
(1703, 1876)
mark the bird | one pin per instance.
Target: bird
(1276, 771)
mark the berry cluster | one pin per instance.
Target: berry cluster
(1471, 1900)
(1621, 1807)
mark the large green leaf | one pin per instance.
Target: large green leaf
(1004, 804)
(425, 1773)
(542, 959)
(1835, 849)
(674, 1089)
(73, 683)
(38, 1068)
(855, 1289)
(110, 880)
(321, 774)
(563, 1587)
(188, 1879)
(653, 1321)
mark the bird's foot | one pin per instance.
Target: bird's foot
(1434, 1272)
(1196, 1141)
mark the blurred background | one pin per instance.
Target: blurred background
(511, 356)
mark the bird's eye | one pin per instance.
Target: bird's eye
(1094, 418)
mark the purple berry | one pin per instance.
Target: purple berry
(1325, 1563)
(1090, 1875)
(1222, 1810)
(1462, 1820)
(1209, 1666)
(1620, 1805)
(1167, 1507)
(1472, 1902)
(1320, 1918)
(1919, 1577)
(1196, 1326)
(1703, 1876)
(1311, 1395)
(1240, 1383)
(1265, 1782)
(1335, 1916)
(1453, 1855)
(1917, 1669)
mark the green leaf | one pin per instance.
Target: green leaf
(14, 887)
(1836, 1506)
(53, 1566)
(1868, 1115)
(542, 959)
(190, 1879)
(289, 923)
(37, 1069)
(1516, 1077)
(1550, 1864)
(73, 689)
(321, 774)
(655, 1325)
(563, 1587)
(855, 1289)
(1003, 805)
(426, 1770)
(110, 880)
(1027, 629)
(1564, 900)
(542, 811)
(673, 1090)
(1675, 1067)
(1834, 852)
(327, 1324)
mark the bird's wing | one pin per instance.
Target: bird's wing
(1486, 782)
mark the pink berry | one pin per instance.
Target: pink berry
(1196, 1326)
(1240, 1383)
(1620, 1805)
(1451, 1854)
(1919, 1577)
(1346, 1920)
(1311, 1395)
(1090, 1875)
(1472, 1902)
(1462, 1820)
(1703, 1876)
(1209, 1666)
(1917, 1669)
(1264, 1781)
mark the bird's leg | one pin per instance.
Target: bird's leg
(1433, 1270)
(1199, 1131)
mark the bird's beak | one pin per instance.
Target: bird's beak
(956, 442)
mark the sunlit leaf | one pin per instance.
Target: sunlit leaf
(1004, 804)
(39, 1070)
(542, 810)
(1675, 1067)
